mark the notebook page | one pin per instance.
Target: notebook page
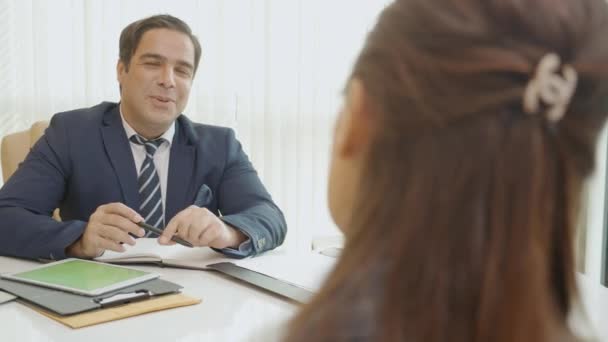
(149, 250)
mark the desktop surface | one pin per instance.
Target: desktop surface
(230, 311)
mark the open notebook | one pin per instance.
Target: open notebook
(295, 276)
(148, 251)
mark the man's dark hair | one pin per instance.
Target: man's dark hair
(131, 36)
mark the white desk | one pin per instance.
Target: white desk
(595, 302)
(230, 311)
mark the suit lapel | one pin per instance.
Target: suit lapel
(119, 152)
(181, 169)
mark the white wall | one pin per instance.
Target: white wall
(273, 70)
(595, 238)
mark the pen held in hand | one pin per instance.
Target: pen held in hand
(159, 231)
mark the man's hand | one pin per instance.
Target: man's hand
(108, 228)
(201, 227)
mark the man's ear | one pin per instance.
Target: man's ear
(353, 128)
(120, 70)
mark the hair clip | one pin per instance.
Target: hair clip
(555, 90)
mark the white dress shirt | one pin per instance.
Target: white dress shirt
(161, 163)
(161, 157)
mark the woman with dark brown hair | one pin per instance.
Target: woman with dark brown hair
(468, 129)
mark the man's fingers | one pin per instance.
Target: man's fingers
(122, 210)
(192, 232)
(169, 231)
(110, 245)
(108, 228)
(207, 236)
(203, 220)
(184, 229)
(115, 234)
(122, 223)
(196, 225)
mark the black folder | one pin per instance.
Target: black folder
(65, 303)
(274, 285)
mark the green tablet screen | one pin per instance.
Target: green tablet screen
(82, 275)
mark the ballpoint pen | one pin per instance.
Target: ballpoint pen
(159, 231)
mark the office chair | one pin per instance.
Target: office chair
(16, 146)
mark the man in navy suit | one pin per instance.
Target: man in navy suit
(112, 166)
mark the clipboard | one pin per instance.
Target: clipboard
(274, 285)
(65, 303)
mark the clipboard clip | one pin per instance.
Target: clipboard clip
(123, 298)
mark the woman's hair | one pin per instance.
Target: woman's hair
(463, 229)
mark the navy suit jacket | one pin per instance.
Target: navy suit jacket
(84, 160)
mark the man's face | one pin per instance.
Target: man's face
(156, 84)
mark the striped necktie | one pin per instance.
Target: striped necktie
(151, 200)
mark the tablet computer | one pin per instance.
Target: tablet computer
(83, 277)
